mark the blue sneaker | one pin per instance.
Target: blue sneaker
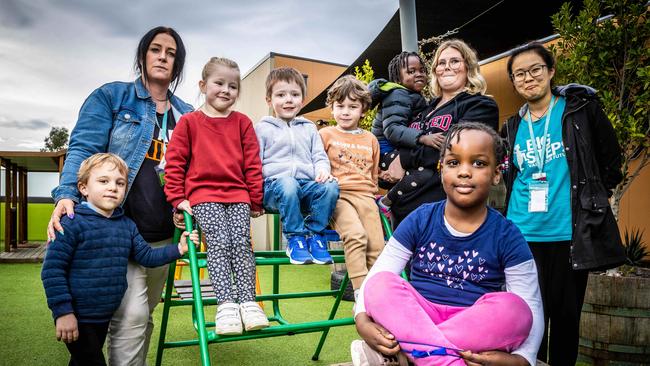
(318, 249)
(297, 250)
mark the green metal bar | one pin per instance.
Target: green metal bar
(277, 314)
(263, 254)
(196, 294)
(275, 331)
(388, 229)
(335, 308)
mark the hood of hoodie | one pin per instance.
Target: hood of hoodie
(380, 88)
(84, 208)
(277, 122)
(564, 91)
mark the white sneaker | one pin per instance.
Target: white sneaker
(363, 355)
(253, 316)
(227, 321)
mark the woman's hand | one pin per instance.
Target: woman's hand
(434, 140)
(395, 170)
(493, 358)
(377, 337)
(65, 206)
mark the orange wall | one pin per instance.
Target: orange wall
(319, 77)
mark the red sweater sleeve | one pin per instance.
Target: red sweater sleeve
(177, 158)
(252, 163)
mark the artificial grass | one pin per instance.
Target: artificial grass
(27, 330)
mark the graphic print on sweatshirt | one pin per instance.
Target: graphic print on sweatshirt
(354, 158)
(435, 124)
(454, 269)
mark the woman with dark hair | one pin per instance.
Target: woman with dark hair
(565, 160)
(133, 120)
(458, 89)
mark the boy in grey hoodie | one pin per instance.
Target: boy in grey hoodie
(296, 169)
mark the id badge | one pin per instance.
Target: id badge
(538, 190)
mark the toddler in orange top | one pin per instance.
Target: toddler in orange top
(354, 157)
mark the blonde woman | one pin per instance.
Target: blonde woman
(458, 90)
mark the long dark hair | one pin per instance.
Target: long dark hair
(140, 64)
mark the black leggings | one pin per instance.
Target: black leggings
(88, 348)
(563, 292)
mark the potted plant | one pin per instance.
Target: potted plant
(612, 56)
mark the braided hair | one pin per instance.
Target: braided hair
(454, 133)
(399, 62)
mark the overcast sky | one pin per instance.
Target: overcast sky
(54, 53)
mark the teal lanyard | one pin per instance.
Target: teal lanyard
(540, 154)
(162, 134)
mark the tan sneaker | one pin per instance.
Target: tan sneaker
(227, 321)
(253, 316)
(363, 355)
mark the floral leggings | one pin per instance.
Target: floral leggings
(231, 263)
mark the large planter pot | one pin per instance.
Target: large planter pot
(615, 321)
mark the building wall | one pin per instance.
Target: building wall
(319, 76)
(635, 204)
(252, 100)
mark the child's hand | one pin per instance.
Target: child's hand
(185, 206)
(255, 214)
(182, 245)
(66, 328)
(324, 176)
(376, 336)
(496, 358)
(434, 140)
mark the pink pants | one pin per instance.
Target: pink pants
(496, 321)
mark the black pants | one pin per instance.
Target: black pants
(563, 292)
(87, 349)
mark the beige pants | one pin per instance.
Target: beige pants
(131, 326)
(356, 219)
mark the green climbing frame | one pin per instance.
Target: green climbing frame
(274, 258)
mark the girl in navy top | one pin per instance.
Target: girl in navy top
(473, 294)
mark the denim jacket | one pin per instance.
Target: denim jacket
(119, 118)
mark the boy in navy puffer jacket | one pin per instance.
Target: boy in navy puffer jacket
(401, 101)
(84, 272)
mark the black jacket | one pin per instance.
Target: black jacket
(422, 161)
(398, 107)
(464, 107)
(594, 159)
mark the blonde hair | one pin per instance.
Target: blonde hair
(286, 74)
(212, 64)
(98, 160)
(475, 84)
(349, 87)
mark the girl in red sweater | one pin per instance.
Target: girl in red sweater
(214, 173)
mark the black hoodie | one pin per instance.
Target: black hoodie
(464, 107)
